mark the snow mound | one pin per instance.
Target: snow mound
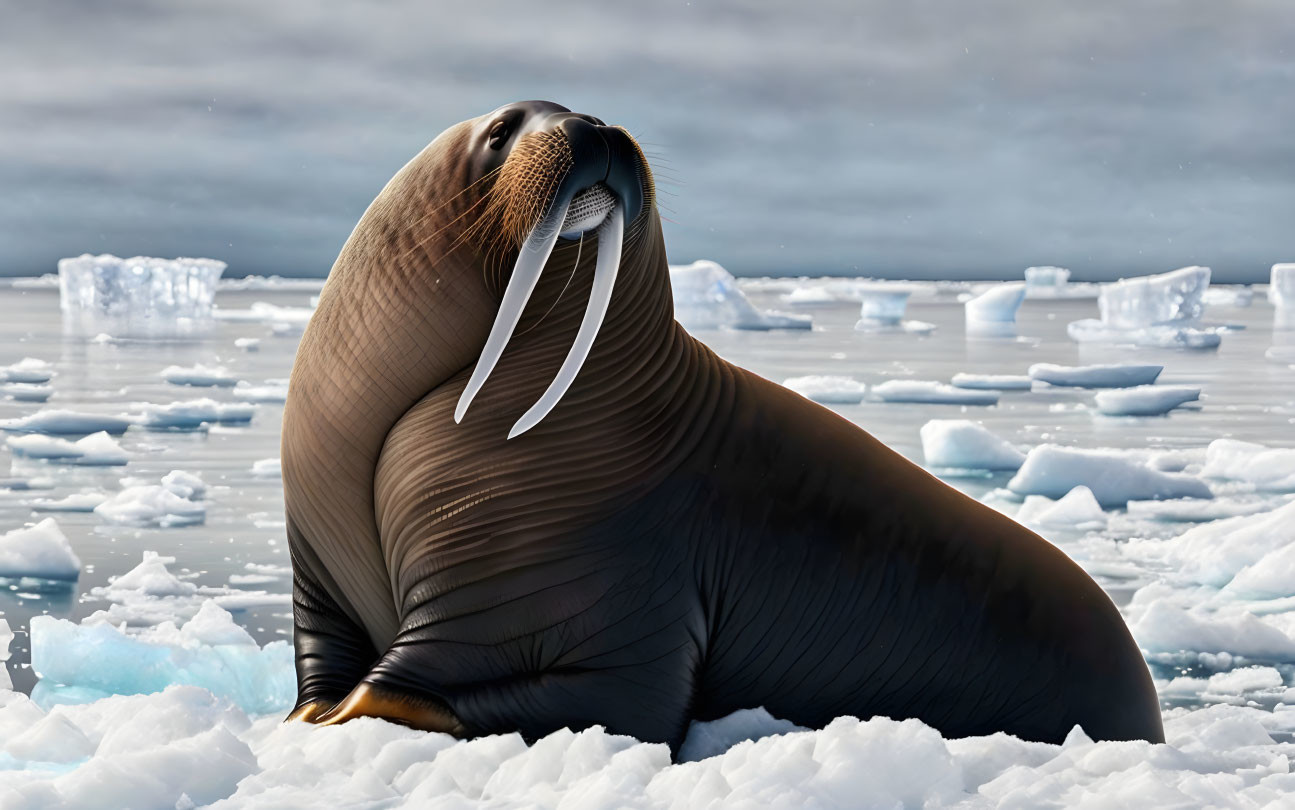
(26, 392)
(930, 391)
(1281, 289)
(137, 297)
(828, 389)
(96, 450)
(176, 501)
(39, 551)
(998, 304)
(1114, 478)
(67, 423)
(199, 376)
(274, 390)
(27, 370)
(1145, 400)
(963, 444)
(193, 413)
(1267, 469)
(1113, 375)
(706, 296)
(993, 382)
(1077, 510)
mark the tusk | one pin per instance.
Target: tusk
(610, 235)
(526, 272)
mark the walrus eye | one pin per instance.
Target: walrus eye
(499, 133)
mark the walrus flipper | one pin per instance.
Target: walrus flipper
(333, 652)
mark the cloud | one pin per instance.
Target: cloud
(935, 138)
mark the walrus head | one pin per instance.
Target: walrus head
(553, 174)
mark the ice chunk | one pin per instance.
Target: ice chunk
(828, 389)
(173, 502)
(883, 303)
(1077, 510)
(267, 468)
(27, 370)
(1114, 375)
(963, 444)
(811, 296)
(26, 392)
(76, 502)
(96, 450)
(706, 296)
(248, 344)
(6, 638)
(1173, 297)
(137, 297)
(930, 391)
(199, 376)
(1090, 330)
(1281, 289)
(1268, 469)
(998, 304)
(193, 413)
(1145, 400)
(1046, 276)
(151, 578)
(274, 390)
(1114, 478)
(67, 423)
(39, 551)
(1162, 626)
(993, 382)
(209, 651)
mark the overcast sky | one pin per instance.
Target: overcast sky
(928, 138)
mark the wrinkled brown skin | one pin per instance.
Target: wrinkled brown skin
(677, 539)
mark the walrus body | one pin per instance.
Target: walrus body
(675, 539)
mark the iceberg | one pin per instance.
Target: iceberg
(140, 297)
(1077, 510)
(1113, 375)
(1046, 276)
(1113, 477)
(996, 305)
(1160, 311)
(993, 382)
(96, 450)
(40, 552)
(193, 413)
(1145, 400)
(967, 445)
(1281, 288)
(931, 391)
(199, 376)
(67, 423)
(28, 370)
(828, 389)
(706, 296)
(883, 305)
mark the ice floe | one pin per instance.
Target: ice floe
(267, 468)
(40, 551)
(1266, 469)
(1145, 400)
(963, 444)
(96, 450)
(993, 382)
(76, 502)
(192, 413)
(199, 376)
(137, 297)
(1113, 375)
(828, 389)
(27, 370)
(933, 392)
(61, 422)
(273, 390)
(706, 296)
(26, 392)
(175, 501)
(1114, 478)
(248, 344)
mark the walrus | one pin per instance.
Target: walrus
(521, 497)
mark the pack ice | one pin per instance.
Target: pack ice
(706, 296)
(137, 297)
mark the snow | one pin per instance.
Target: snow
(267, 468)
(1145, 400)
(1281, 289)
(1113, 375)
(65, 422)
(1266, 469)
(27, 370)
(1114, 478)
(199, 375)
(40, 551)
(930, 391)
(993, 382)
(137, 297)
(275, 390)
(998, 304)
(963, 444)
(828, 389)
(26, 392)
(96, 450)
(706, 296)
(193, 413)
(176, 501)
(1077, 510)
